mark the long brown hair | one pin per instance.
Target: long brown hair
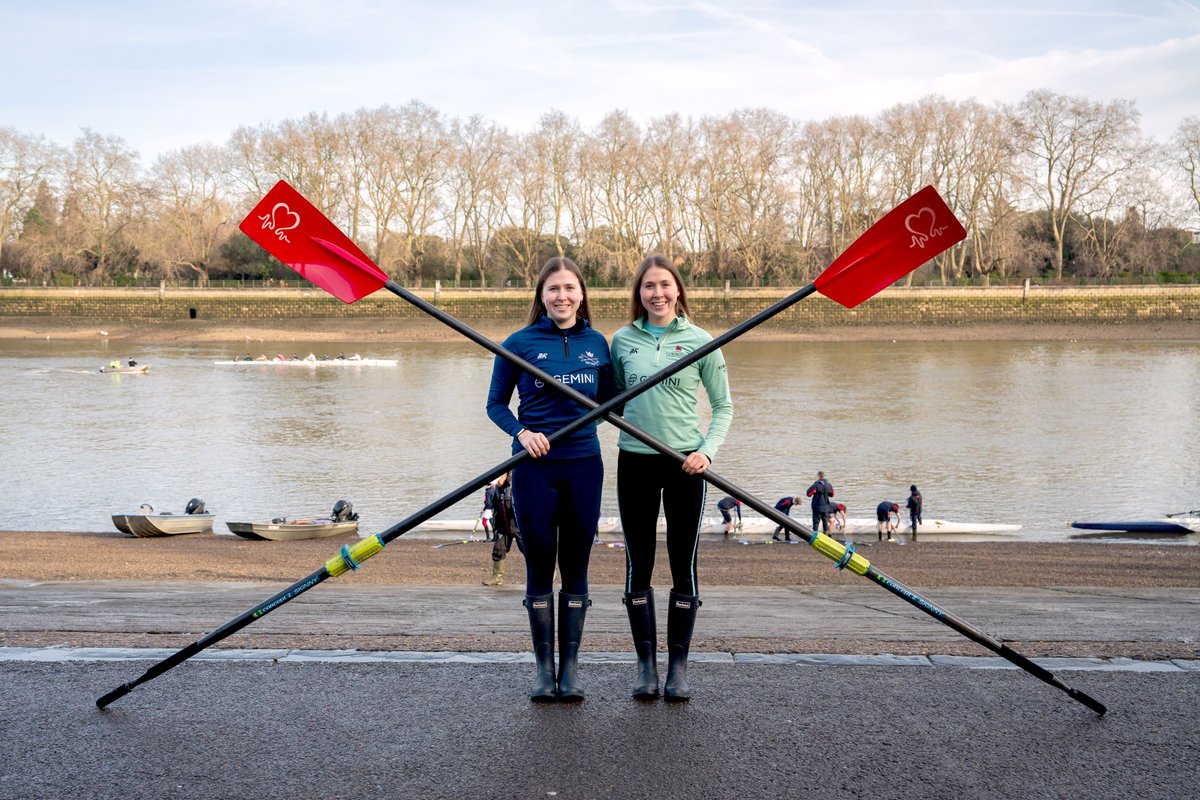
(636, 309)
(537, 310)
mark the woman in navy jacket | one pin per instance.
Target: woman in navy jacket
(556, 494)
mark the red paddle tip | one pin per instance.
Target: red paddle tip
(909, 235)
(290, 228)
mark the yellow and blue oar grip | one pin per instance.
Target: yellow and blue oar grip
(837, 552)
(352, 555)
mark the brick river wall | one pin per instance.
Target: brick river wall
(714, 308)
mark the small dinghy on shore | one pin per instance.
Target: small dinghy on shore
(341, 522)
(146, 523)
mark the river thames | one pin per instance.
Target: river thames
(1031, 433)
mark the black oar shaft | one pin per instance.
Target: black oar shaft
(233, 626)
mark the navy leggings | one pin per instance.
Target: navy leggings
(642, 480)
(558, 507)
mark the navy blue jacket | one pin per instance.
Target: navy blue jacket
(820, 492)
(577, 356)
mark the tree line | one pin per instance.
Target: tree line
(1054, 187)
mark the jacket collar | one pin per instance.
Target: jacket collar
(547, 325)
(678, 324)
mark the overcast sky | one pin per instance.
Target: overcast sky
(163, 75)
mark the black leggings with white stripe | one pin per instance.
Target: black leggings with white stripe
(642, 481)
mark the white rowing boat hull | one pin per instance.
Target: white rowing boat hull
(331, 362)
(934, 529)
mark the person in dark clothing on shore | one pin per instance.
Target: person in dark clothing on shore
(820, 492)
(914, 509)
(503, 519)
(727, 505)
(785, 505)
(883, 517)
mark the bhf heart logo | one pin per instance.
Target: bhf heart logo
(280, 214)
(923, 227)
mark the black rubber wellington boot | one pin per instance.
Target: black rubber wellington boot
(572, 608)
(541, 626)
(681, 619)
(640, 606)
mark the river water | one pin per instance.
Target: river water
(1033, 433)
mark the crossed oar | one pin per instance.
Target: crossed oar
(295, 232)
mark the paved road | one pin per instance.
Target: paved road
(762, 725)
(289, 729)
(764, 614)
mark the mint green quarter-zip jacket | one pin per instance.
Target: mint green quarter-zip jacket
(667, 410)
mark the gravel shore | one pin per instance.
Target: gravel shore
(57, 556)
(936, 568)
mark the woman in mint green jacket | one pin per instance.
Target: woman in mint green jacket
(658, 334)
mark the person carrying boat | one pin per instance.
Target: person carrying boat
(498, 502)
(883, 518)
(725, 505)
(557, 493)
(784, 504)
(820, 492)
(914, 509)
(659, 332)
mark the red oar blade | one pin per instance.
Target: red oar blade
(290, 228)
(905, 238)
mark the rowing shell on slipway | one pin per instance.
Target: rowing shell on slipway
(933, 529)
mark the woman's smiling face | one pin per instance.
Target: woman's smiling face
(562, 296)
(659, 293)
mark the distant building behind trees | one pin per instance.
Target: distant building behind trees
(1054, 188)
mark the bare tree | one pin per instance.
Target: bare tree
(1187, 142)
(839, 177)
(1074, 146)
(192, 215)
(524, 184)
(479, 148)
(26, 162)
(418, 170)
(665, 171)
(623, 201)
(102, 197)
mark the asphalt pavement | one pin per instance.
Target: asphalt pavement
(287, 723)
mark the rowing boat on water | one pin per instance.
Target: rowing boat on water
(293, 530)
(302, 362)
